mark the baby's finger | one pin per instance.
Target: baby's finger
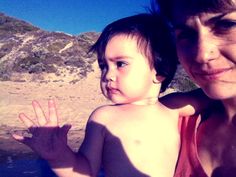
(65, 129)
(26, 120)
(22, 139)
(17, 137)
(42, 120)
(52, 113)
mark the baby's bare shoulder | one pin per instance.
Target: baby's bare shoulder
(104, 114)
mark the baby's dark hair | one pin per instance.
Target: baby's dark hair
(154, 39)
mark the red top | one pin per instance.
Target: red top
(188, 164)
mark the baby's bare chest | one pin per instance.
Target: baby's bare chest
(141, 146)
(144, 133)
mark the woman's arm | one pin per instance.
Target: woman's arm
(187, 103)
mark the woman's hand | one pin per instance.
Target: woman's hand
(45, 136)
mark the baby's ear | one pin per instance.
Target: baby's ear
(158, 79)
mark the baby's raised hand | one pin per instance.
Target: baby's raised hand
(45, 136)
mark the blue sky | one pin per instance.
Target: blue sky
(72, 16)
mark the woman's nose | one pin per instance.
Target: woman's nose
(206, 48)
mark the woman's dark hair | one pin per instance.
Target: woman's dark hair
(192, 7)
(154, 40)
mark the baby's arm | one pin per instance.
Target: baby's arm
(187, 103)
(50, 142)
(92, 146)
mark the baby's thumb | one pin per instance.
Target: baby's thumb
(22, 139)
(64, 130)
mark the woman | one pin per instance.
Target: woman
(206, 45)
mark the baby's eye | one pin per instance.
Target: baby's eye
(120, 64)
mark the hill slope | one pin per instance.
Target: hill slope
(28, 53)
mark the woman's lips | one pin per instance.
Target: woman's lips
(212, 74)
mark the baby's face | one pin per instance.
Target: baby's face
(126, 74)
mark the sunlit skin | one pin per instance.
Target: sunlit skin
(206, 46)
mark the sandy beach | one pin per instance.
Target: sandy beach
(74, 102)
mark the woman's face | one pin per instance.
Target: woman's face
(206, 46)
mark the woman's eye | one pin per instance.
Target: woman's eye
(185, 35)
(222, 26)
(120, 64)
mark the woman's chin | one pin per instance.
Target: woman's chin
(219, 93)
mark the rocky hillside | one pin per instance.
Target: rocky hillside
(28, 53)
